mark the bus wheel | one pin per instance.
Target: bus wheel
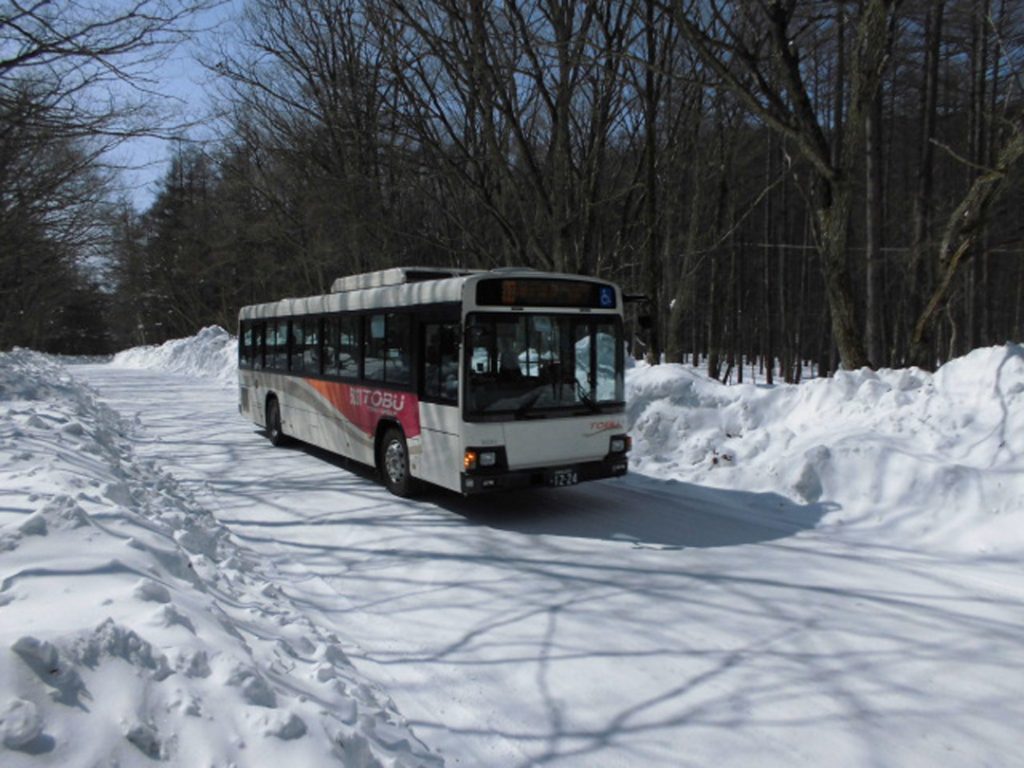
(274, 430)
(395, 464)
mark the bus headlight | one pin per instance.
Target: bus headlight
(482, 458)
(620, 444)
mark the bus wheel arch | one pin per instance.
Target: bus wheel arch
(275, 429)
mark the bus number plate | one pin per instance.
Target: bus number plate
(562, 477)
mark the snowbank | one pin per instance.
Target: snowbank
(212, 353)
(919, 459)
(135, 629)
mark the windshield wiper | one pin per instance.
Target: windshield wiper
(588, 401)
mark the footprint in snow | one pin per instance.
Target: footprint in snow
(20, 724)
(151, 591)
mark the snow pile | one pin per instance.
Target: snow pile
(914, 458)
(211, 353)
(134, 629)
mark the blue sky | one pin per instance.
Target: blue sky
(186, 91)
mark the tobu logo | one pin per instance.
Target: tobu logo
(378, 400)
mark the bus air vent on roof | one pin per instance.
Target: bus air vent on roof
(395, 276)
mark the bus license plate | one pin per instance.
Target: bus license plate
(562, 477)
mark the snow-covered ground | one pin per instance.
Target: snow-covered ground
(827, 573)
(135, 628)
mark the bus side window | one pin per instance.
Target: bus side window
(396, 360)
(348, 346)
(296, 343)
(259, 332)
(376, 348)
(245, 345)
(441, 361)
(277, 345)
(387, 348)
(330, 334)
(311, 350)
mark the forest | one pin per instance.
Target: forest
(832, 183)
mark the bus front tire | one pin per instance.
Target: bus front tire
(274, 429)
(394, 464)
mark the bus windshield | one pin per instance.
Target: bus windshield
(534, 365)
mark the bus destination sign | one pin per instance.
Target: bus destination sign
(534, 292)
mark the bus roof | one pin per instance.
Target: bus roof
(396, 276)
(400, 286)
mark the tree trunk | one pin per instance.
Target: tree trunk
(685, 297)
(833, 223)
(920, 274)
(874, 294)
(767, 346)
(561, 185)
(714, 331)
(780, 96)
(652, 250)
(963, 229)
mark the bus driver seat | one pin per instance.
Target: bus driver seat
(509, 368)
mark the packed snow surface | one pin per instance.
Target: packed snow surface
(820, 574)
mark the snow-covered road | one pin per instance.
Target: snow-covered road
(625, 623)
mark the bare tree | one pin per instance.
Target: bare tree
(754, 48)
(963, 230)
(518, 103)
(92, 67)
(76, 79)
(718, 157)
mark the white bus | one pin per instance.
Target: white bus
(473, 381)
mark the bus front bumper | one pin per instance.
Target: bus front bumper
(553, 477)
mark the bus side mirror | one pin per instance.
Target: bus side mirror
(644, 320)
